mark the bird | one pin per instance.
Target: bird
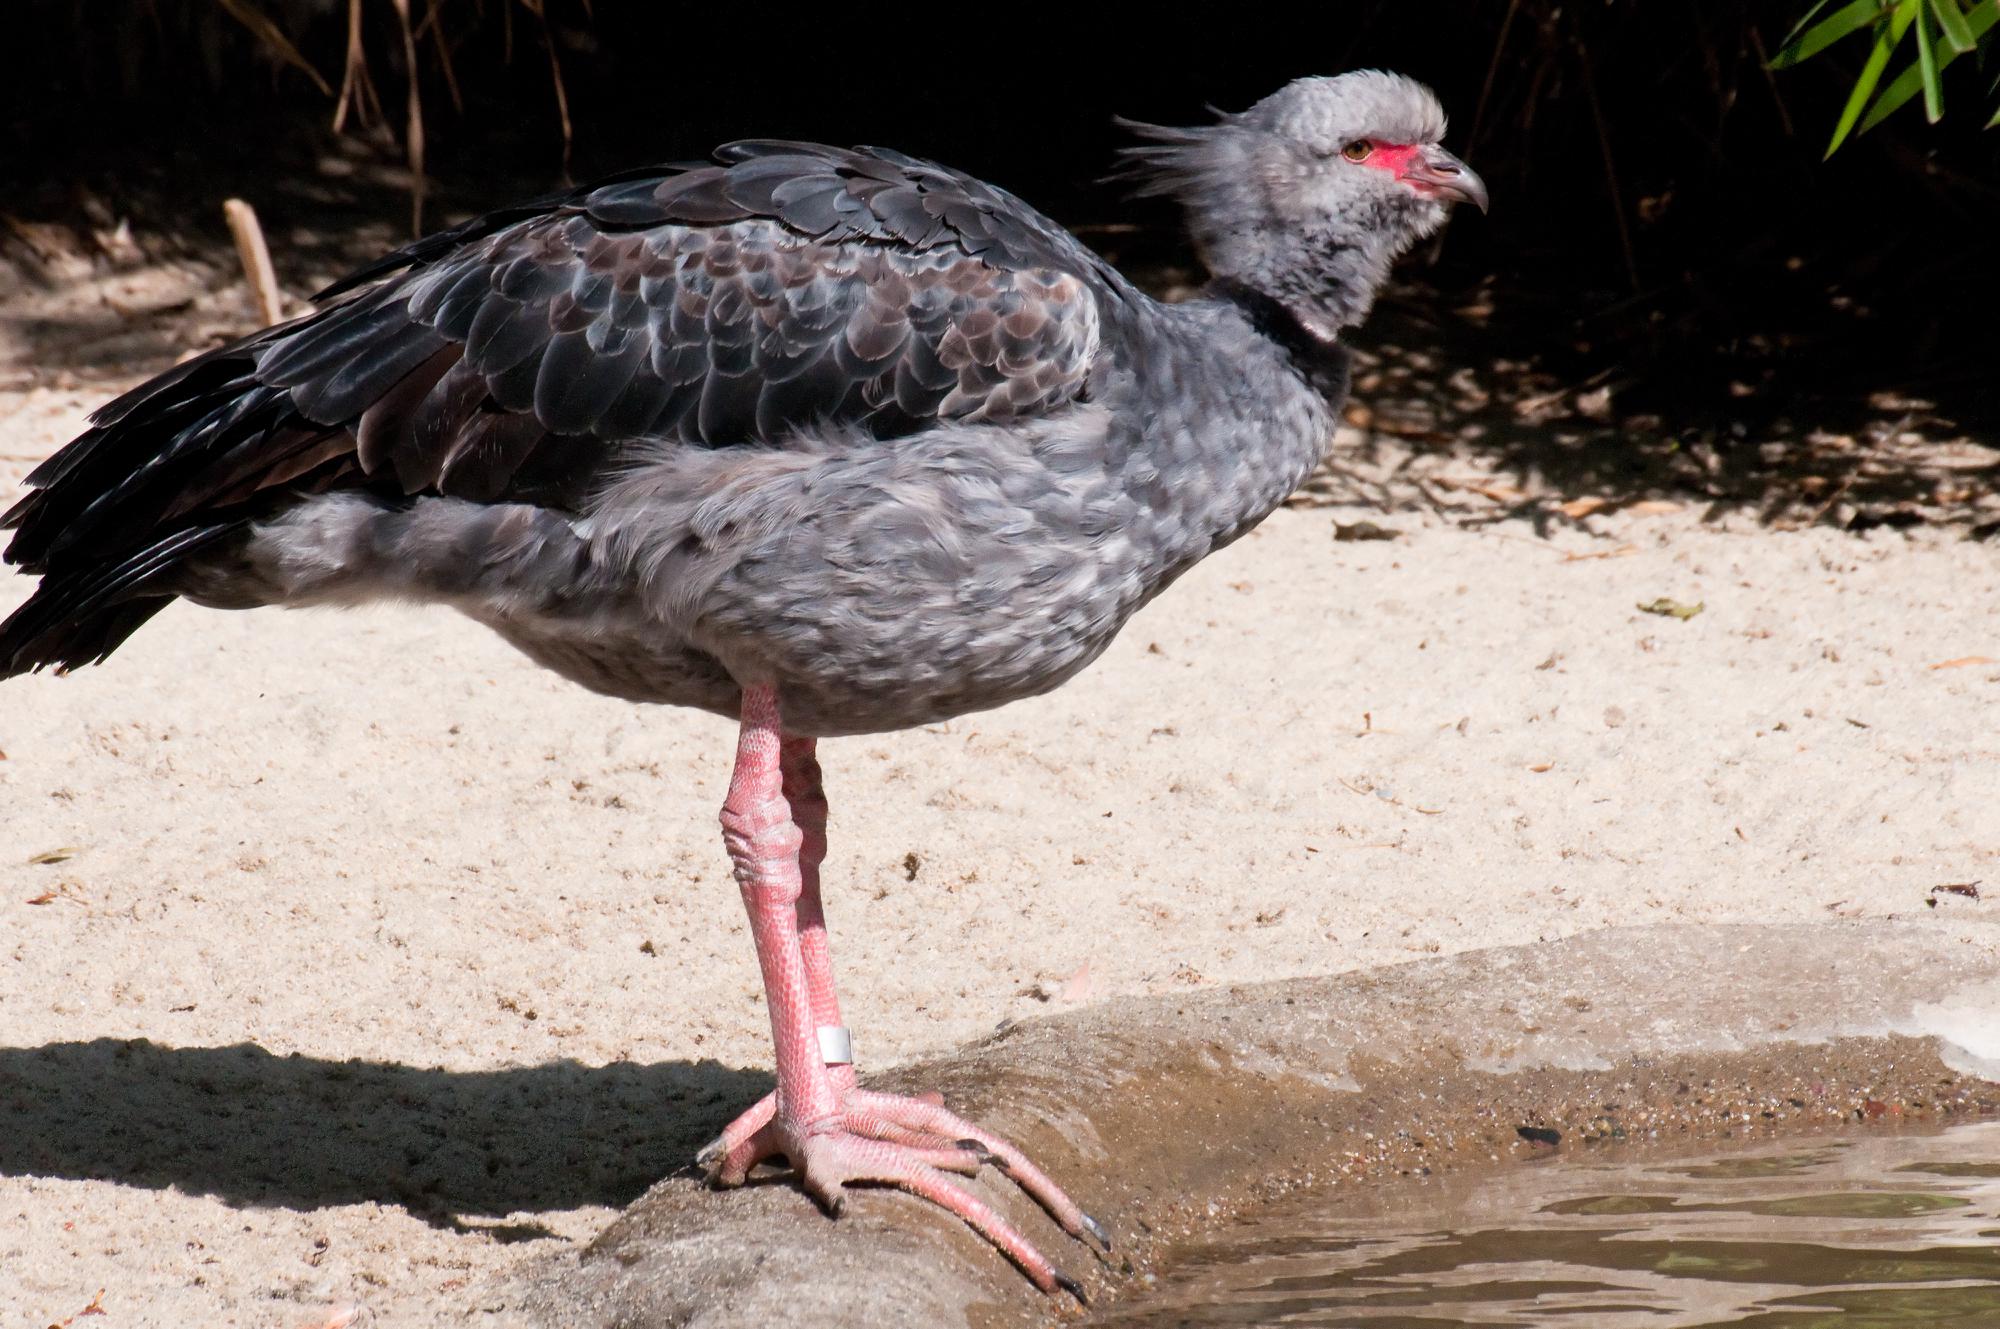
(828, 441)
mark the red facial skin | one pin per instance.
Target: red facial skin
(1394, 158)
(1426, 169)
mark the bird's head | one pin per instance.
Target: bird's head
(1309, 196)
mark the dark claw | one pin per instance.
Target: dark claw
(1096, 1229)
(710, 1154)
(986, 1157)
(1071, 1286)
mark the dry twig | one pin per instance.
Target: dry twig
(275, 39)
(413, 132)
(256, 259)
(356, 88)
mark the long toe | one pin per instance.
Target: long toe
(835, 1159)
(924, 1116)
(730, 1165)
(717, 1154)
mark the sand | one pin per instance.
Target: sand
(381, 837)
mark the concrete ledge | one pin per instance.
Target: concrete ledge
(1161, 1115)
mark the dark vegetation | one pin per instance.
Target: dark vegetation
(1674, 290)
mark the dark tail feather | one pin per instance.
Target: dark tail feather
(76, 642)
(79, 617)
(95, 523)
(186, 461)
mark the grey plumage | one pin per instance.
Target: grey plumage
(838, 420)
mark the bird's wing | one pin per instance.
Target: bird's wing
(780, 288)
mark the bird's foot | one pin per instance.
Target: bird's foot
(910, 1143)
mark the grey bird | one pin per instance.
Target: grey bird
(830, 441)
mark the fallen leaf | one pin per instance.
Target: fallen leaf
(62, 855)
(43, 898)
(1965, 660)
(1492, 489)
(1411, 429)
(1622, 551)
(1539, 767)
(1579, 508)
(96, 1307)
(1364, 530)
(1673, 608)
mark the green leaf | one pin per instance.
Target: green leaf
(1953, 25)
(1927, 65)
(1886, 42)
(1903, 87)
(1673, 608)
(1979, 21)
(1804, 20)
(1805, 43)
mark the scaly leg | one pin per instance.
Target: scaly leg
(799, 768)
(833, 1133)
(808, 800)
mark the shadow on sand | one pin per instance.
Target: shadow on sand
(253, 1128)
(1455, 416)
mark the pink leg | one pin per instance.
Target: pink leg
(774, 823)
(764, 846)
(807, 798)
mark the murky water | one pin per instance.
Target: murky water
(1860, 1232)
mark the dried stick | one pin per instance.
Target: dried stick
(1610, 166)
(1492, 70)
(356, 88)
(1777, 98)
(539, 8)
(256, 258)
(444, 54)
(274, 40)
(413, 135)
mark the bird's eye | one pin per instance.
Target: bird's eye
(1358, 150)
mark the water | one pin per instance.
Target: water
(1860, 1232)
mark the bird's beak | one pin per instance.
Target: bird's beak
(1437, 172)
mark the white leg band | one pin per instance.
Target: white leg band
(836, 1045)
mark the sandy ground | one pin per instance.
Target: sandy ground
(383, 838)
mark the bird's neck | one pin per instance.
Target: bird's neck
(1324, 278)
(1314, 348)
